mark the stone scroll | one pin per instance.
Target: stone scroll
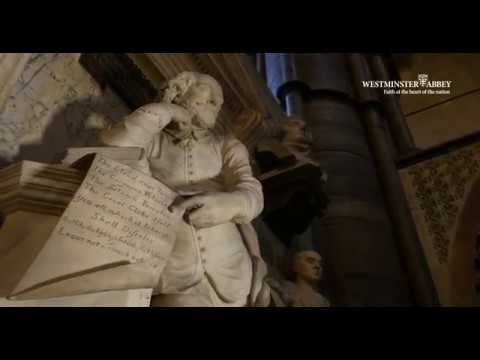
(115, 234)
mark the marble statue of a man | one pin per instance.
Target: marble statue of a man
(216, 258)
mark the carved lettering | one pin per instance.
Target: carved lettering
(118, 215)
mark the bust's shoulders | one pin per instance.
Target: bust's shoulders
(322, 300)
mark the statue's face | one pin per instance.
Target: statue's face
(307, 265)
(200, 94)
(200, 99)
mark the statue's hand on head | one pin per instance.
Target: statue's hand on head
(209, 209)
(179, 114)
(153, 118)
(191, 101)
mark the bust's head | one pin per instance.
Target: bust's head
(199, 93)
(307, 266)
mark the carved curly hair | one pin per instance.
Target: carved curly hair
(179, 85)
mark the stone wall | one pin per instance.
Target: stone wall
(439, 184)
(437, 190)
(435, 119)
(53, 104)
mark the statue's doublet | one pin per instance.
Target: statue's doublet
(215, 257)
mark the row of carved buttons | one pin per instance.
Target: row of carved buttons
(190, 164)
(202, 250)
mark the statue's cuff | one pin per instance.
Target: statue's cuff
(242, 204)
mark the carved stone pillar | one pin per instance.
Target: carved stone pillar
(401, 134)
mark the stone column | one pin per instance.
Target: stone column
(412, 256)
(397, 123)
(260, 65)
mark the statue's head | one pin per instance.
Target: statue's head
(199, 93)
(307, 266)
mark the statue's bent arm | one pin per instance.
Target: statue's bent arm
(239, 180)
(139, 128)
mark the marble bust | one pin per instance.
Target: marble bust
(306, 268)
(216, 258)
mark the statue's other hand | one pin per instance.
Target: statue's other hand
(207, 210)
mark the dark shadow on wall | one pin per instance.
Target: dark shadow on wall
(68, 128)
(3, 164)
